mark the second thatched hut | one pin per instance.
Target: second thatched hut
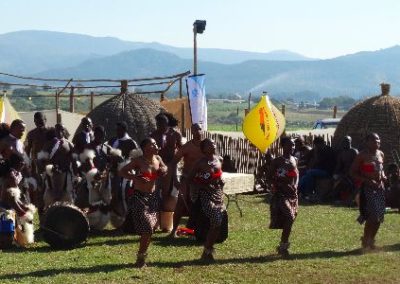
(379, 114)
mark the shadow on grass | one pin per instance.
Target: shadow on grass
(195, 262)
(106, 233)
(42, 249)
(71, 270)
(47, 248)
(112, 242)
(166, 241)
(272, 258)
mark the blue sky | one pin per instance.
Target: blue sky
(320, 29)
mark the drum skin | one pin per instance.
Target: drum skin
(65, 226)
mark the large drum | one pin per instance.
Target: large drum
(64, 226)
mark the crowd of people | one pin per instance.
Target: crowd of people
(117, 181)
(129, 184)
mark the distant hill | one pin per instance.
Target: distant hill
(35, 51)
(53, 54)
(355, 75)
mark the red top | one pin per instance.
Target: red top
(151, 176)
(368, 168)
(204, 177)
(291, 173)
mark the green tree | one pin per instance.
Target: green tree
(342, 102)
(5, 86)
(23, 92)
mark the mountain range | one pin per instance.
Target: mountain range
(281, 73)
(40, 50)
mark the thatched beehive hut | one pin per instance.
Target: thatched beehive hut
(136, 110)
(379, 114)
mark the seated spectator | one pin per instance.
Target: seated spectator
(301, 152)
(228, 165)
(344, 188)
(392, 193)
(321, 165)
(262, 182)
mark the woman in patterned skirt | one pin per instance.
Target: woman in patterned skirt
(367, 170)
(207, 178)
(284, 202)
(144, 202)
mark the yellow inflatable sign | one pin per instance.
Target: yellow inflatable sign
(263, 124)
(280, 120)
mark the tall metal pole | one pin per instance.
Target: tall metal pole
(194, 50)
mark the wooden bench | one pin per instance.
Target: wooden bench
(236, 183)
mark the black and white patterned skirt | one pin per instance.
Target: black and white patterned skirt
(372, 205)
(212, 205)
(143, 209)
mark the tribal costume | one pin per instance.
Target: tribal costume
(284, 202)
(210, 186)
(372, 199)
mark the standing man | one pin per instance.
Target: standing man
(123, 141)
(83, 138)
(57, 156)
(17, 129)
(120, 185)
(191, 153)
(169, 141)
(36, 140)
(100, 148)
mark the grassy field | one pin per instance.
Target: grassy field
(325, 249)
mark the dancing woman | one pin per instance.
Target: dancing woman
(367, 170)
(207, 177)
(284, 203)
(144, 202)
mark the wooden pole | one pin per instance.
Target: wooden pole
(183, 116)
(91, 101)
(57, 107)
(180, 88)
(71, 100)
(58, 93)
(334, 111)
(124, 91)
(246, 110)
(237, 114)
(283, 108)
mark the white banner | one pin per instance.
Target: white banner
(197, 99)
